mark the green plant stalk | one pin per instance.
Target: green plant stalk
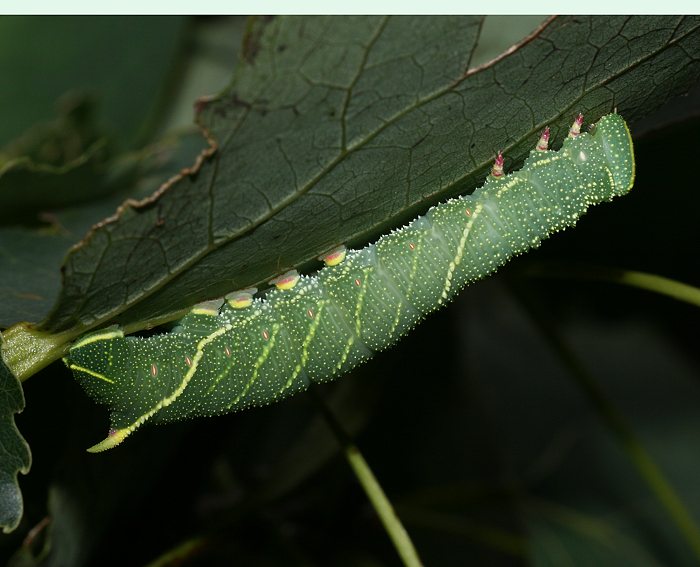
(391, 522)
(642, 280)
(183, 551)
(489, 536)
(623, 432)
(596, 529)
(660, 284)
(26, 350)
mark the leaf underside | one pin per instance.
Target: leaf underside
(327, 115)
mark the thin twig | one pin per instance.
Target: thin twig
(613, 418)
(392, 524)
(642, 280)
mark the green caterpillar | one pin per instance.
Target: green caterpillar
(251, 352)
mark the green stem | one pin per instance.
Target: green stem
(621, 429)
(479, 532)
(182, 551)
(642, 280)
(26, 350)
(392, 524)
(662, 285)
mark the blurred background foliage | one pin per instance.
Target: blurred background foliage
(504, 456)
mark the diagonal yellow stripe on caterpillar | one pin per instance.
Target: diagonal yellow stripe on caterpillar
(91, 373)
(358, 324)
(305, 346)
(267, 349)
(116, 436)
(106, 336)
(460, 252)
(243, 323)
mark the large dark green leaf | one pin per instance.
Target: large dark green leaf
(14, 451)
(335, 129)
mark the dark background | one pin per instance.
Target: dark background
(480, 425)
